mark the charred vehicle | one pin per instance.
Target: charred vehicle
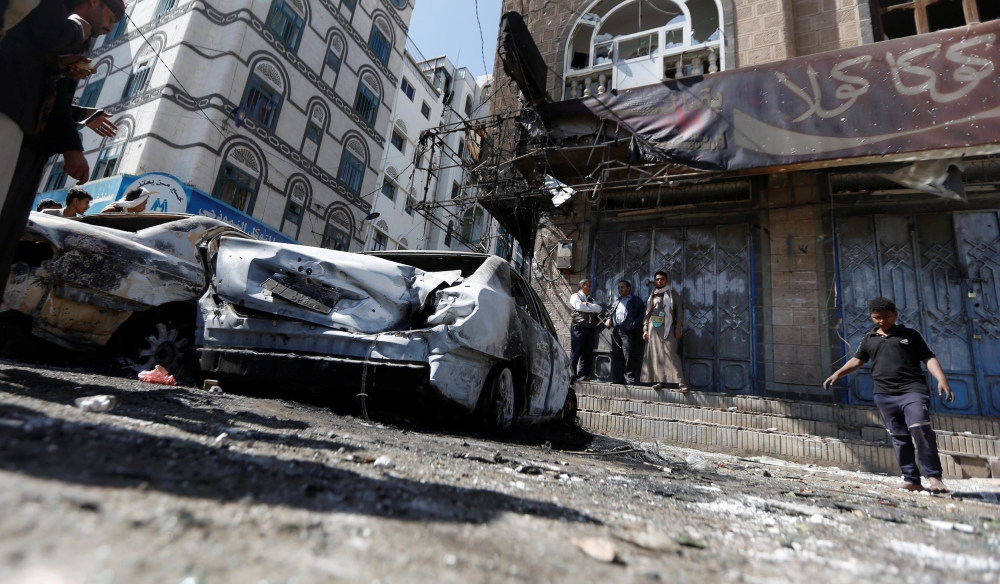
(462, 332)
(135, 276)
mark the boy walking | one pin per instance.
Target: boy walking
(901, 393)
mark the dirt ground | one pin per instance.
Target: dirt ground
(179, 485)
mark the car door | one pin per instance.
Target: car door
(538, 347)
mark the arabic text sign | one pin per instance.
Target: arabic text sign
(928, 92)
(202, 204)
(166, 193)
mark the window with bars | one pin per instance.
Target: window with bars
(107, 161)
(380, 241)
(379, 44)
(236, 188)
(333, 59)
(335, 238)
(407, 88)
(389, 189)
(57, 177)
(313, 138)
(91, 93)
(352, 170)
(138, 79)
(163, 7)
(903, 18)
(285, 24)
(262, 102)
(399, 142)
(366, 104)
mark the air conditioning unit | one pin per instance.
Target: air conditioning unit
(564, 254)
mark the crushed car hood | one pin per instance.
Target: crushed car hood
(150, 267)
(335, 289)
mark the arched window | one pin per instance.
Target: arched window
(315, 126)
(286, 20)
(621, 44)
(239, 179)
(352, 165)
(335, 52)
(263, 96)
(368, 98)
(142, 69)
(336, 235)
(163, 7)
(111, 153)
(295, 209)
(57, 176)
(473, 221)
(380, 40)
(92, 92)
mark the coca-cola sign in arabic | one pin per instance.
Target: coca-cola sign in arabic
(932, 92)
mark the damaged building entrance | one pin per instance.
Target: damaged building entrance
(942, 271)
(710, 267)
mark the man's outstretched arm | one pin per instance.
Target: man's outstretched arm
(934, 366)
(850, 367)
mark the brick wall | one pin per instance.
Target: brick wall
(825, 25)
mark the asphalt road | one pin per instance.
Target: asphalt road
(181, 486)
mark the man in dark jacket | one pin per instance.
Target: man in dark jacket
(625, 324)
(54, 126)
(45, 31)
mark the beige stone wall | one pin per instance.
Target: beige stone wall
(764, 31)
(794, 327)
(825, 25)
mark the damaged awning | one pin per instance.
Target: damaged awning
(932, 96)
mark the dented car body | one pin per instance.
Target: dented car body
(80, 279)
(440, 326)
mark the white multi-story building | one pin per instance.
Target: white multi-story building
(277, 108)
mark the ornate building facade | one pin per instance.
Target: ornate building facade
(278, 109)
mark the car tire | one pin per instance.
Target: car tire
(570, 408)
(498, 401)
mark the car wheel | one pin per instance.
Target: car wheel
(165, 348)
(498, 402)
(570, 408)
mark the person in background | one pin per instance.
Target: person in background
(901, 392)
(48, 205)
(626, 318)
(661, 329)
(77, 203)
(134, 201)
(585, 318)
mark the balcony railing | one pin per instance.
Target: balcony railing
(677, 64)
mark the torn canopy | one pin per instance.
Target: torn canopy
(929, 96)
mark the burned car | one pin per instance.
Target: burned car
(462, 332)
(81, 281)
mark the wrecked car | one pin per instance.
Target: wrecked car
(462, 332)
(82, 281)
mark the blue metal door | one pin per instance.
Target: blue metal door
(915, 261)
(710, 267)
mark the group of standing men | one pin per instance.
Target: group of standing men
(645, 337)
(42, 46)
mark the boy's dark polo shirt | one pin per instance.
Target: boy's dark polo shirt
(896, 360)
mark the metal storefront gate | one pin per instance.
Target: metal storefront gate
(710, 267)
(943, 272)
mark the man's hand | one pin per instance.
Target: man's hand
(831, 380)
(76, 165)
(945, 390)
(103, 126)
(678, 333)
(645, 335)
(76, 67)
